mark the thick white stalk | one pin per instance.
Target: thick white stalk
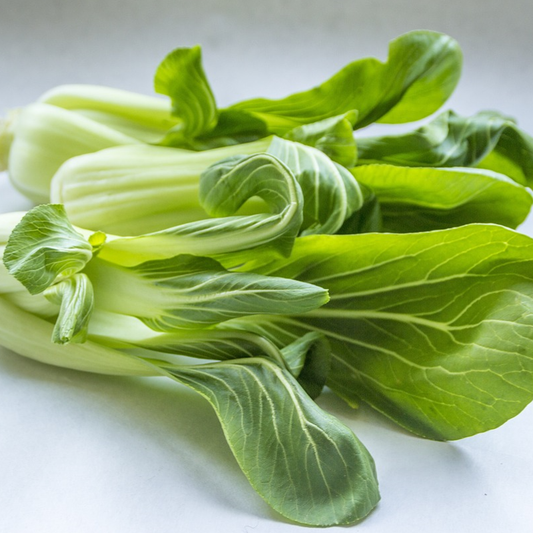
(29, 335)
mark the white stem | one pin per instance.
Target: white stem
(7, 127)
(30, 336)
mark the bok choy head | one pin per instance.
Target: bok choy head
(177, 290)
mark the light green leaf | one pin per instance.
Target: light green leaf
(224, 188)
(435, 330)
(44, 246)
(75, 297)
(305, 464)
(421, 199)
(333, 136)
(181, 77)
(488, 140)
(188, 292)
(421, 72)
(331, 194)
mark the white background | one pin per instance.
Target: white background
(84, 453)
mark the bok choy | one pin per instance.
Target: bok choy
(259, 252)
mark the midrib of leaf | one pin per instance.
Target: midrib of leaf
(431, 249)
(357, 342)
(401, 317)
(405, 391)
(301, 419)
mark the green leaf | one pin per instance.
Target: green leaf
(188, 292)
(44, 246)
(331, 194)
(75, 297)
(366, 219)
(309, 360)
(421, 199)
(181, 77)
(421, 72)
(233, 127)
(304, 463)
(333, 136)
(488, 140)
(228, 184)
(435, 330)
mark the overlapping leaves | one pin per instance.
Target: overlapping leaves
(229, 254)
(433, 329)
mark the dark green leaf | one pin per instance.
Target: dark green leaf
(305, 464)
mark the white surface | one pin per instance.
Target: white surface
(87, 453)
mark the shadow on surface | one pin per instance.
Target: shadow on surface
(163, 413)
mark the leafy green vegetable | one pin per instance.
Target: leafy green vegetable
(421, 72)
(488, 140)
(432, 329)
(333, 136)
(44, 246)
(249, 237)
(183, 291)
(193, 292)
(75, 297)
(306, 464)
(423, 199)
(181, 77)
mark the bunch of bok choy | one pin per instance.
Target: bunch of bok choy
(276, 253)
